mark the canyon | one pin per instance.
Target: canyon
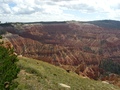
(75, 46)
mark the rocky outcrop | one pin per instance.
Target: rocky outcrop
(91, 71)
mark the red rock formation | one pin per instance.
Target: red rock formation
(67, 44)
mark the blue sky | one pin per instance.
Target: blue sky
(12, 4)
(58, 10)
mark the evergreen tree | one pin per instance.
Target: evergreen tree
(8, 68)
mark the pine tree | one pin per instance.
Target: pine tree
(8, 68)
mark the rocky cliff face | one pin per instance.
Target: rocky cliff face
(66, 44)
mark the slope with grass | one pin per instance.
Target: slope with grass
(38, 75)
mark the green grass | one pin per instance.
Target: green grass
(38, 75)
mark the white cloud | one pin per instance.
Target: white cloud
(4, 8)
(37, 10)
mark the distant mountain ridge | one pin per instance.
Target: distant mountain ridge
(110, 24)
